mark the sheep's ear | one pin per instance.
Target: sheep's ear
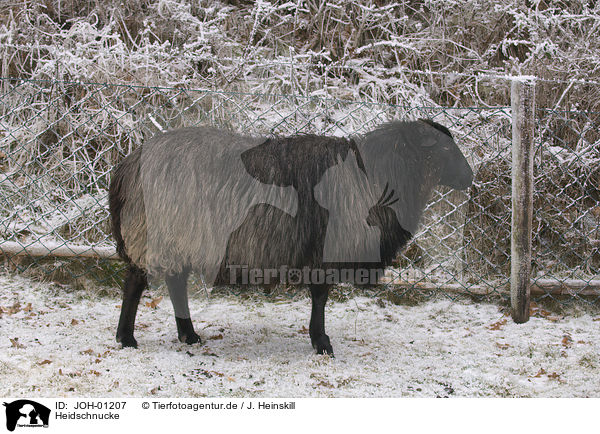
(437, 132)
(265, 163)
(425, 134)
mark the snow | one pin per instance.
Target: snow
(59, 342)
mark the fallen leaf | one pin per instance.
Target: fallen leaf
(541, 372)
(88, 352)
(15, 343)
(74, 322)
(204, 372)
(153, 391)
(216, 337)
(502, 346)
(16, 307)
(154, 303)
(303, 330)
(554, 376)
(231, 378)
(325, 383)
(27, 308)
(498, 325)
(566, 341)
(45, 362)
(96, 373)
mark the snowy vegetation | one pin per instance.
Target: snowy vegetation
(336, 67)
(60, 343)
(379, 51)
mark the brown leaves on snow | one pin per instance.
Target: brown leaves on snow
(303, 330)
(15, 343)
(537, 311)
(498, 325)
(154, 303)
(16, 307)
(567, 340)
(551, 376)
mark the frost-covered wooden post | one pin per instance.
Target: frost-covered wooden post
(523, 114)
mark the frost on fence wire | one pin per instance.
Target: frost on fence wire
(59, 141)
(566, 220)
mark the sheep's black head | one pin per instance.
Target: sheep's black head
(455, 171)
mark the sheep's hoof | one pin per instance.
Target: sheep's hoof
(185, 331)
(190, 339)
(127, 341)
(322, 345)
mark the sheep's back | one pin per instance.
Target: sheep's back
(190, 193)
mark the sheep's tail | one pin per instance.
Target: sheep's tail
(117, 195)
(115, 204)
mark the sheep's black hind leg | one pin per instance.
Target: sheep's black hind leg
(318, 338)
(134, 285)
(177, 284)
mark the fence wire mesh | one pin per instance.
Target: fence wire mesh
(59, 141)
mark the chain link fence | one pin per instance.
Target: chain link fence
(59, 141)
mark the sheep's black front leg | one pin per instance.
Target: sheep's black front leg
(318, 338)
(134, 285)
(177, 284)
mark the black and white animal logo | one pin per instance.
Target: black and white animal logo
(26, 413)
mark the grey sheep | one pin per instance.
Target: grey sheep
(308, 210)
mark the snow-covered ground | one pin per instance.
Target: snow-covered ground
(56, 342)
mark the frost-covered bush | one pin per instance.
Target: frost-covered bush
(355, 49)
(336, 67)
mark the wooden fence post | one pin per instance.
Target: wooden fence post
(523, 115)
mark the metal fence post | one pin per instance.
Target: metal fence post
(523, 112)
